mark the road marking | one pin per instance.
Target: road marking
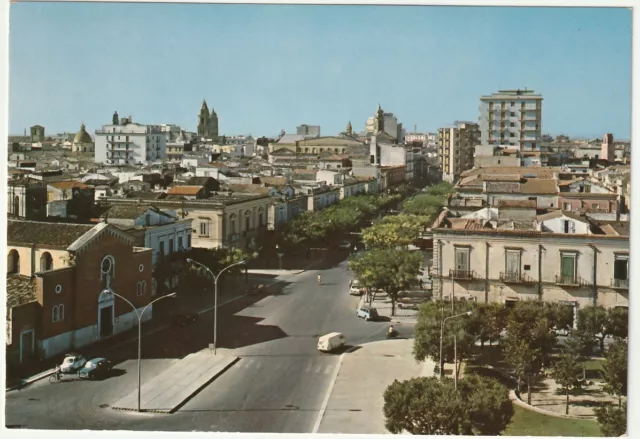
(318, 369)
(323, 408)
(308, 368)
(327, 370)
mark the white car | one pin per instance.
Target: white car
(356, 289)
(345, 245)
(72, 363)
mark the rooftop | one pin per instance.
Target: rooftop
(69, 184)
(44, 234)
(517, 204)
(184, 190)
(20, 290)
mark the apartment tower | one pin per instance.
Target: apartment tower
(456, 146)
(511, 118)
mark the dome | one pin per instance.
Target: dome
(82, 136)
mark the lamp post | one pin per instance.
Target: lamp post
(468, 313)
(139, 316)
(280, 254)
(215, 299)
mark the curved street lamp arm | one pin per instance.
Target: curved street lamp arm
(154, 301)
(203, 266)
(227, 267)
(125, 299)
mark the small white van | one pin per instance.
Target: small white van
(330, 342)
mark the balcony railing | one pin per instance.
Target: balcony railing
(622, 284)
(462, 274)
(570, 281)
(516, 278)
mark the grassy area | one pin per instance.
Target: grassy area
(529, 423)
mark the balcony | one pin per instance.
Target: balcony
(570, 281)
(620, 284)
(462, 274)
(516, 278)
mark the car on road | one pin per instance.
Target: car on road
(367, 313)
(356, 289)
(72, 363)
(95, 368)
(331, 342)
(346, 245)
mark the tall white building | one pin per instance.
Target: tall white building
(513, 118)
(126, 142)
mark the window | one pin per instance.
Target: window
(512, 114)
(569, 226)
(13, 262)
(162, 253)
(512, 265)
(247, 223)
(171, 249)
(204, 228)
(621, 271)
(180, 243)
(46, 262)
(566, 206)
(108, 268)
(568, 268)
(141, 288)
(461, 261)
(594, 205)
(147, 219)
(188, 241)
(57, 313)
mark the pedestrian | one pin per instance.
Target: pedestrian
(421, 284)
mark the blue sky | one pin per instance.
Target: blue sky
(265, 68)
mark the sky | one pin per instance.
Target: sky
(264, 68)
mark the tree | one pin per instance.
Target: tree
(592, 325)
(393, 231)
(427, 332)
(489, 321)
(488, 408)
(618, 322)
(560, 315)
(391, 270)
(430, 406)
(424, 204)
(566, 373)
(612, 420)
(530, 340)
(615, 369)
(442, 190)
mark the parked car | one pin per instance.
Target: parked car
(367, 313)
(72, 363)
(356, 289)
(330, 342)
(345, 245)
(95, 368)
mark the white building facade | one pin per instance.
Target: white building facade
(130, 143)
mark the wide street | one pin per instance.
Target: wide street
(278, 385)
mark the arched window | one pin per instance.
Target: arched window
(141, 288)
(57, 313)
(46, 262)
(13, 262)
(232, 223)
(108, 268)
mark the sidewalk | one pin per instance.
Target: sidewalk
(354, 401)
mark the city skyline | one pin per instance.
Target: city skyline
(343, 61)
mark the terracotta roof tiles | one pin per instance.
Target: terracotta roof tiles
(59, 235)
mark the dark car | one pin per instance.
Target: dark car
(95, 368)
(185, 318)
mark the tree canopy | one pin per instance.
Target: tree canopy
(391, 270)
(566, 372)
(615, 369)
(612, 420)
(430, 406)
(393, 231)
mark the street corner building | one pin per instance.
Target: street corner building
(56, 273)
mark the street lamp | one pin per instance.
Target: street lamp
(280, 254)
(468, 313)
(139, 316)
(215, 300)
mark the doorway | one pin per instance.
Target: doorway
(27, 343)
(106, 321)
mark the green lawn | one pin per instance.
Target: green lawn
(529, 423)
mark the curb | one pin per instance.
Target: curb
(520, 403)
(327, 396)
(30, 380)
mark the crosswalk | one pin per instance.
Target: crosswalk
(268, 364)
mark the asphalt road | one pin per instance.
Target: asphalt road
(278, 385)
